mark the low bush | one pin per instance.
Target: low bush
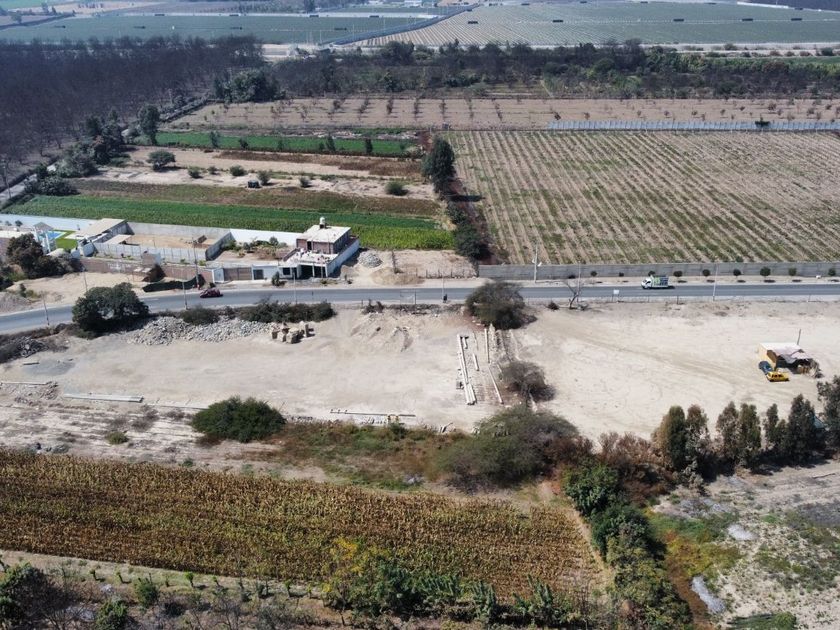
(22, 588)
(54, 186)
(264, 177)
(115, 438)
(267, 312)
(236, 170)
(305, 182)
(526, 379)
(240, 420)
(508, 448)
(396, 188)
(592, 488)
(194, 172)
(146, 592)
(112, 615)
(200, 316)
(498, 303)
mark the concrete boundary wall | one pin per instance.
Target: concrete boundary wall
(248, 236)
(675, 125)
(562, 272)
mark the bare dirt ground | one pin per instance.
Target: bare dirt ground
(65, 289)
(785, 530)
(620, 367)
(501, 113)
(408, 266)
(252, 162)
(322, 177)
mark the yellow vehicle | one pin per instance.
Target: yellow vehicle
(774, 376)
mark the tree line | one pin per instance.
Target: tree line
(49, 90)
(619, 71)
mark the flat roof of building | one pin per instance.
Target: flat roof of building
(328, 234)
(98, 227)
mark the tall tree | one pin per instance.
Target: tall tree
(803, 437)
(148, 120)
(439, 164)
(775, 431)
(727, 427)
(749, 436)
(829, 394)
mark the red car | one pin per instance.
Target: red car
(210, 293)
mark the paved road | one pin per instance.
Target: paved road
(36, 318)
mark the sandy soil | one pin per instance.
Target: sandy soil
(412, 267)
(101, 7)
(502, 113)
(205, 159)
(284, 174)
(383, 363)
(620, 367)
(65, 289)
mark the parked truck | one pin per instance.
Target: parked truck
(656, 282)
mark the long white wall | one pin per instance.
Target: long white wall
(59, 223)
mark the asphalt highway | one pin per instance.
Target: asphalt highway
(39, 317)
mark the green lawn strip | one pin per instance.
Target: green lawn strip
(303, 144)
(374, 230)
(270, 196)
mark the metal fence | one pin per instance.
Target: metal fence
(562, 272)
(396, 30)
(674, 125)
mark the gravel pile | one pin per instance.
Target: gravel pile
(369, 259)
(165, 330)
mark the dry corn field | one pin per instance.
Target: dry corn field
(635, 197)
(257, 526)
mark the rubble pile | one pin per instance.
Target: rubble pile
(369, 259)
(165, 330)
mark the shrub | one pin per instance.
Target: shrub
(160, 159)
(468, 242)
(112, 615)
(200, 316)
(146, 592)
(22, 587)
(619, 518)
(396, 188)
(28, 254)
(54, 186)
(236, 170)
(791, 271)
(268, 312)
(240, 420)
(736, 272)
(498, 303)
(194, 172)
(591, 488)
(832, 272)
(764, 272)
(114, 438)
(706, 273)
(212, 170)
(527, 380)
(678, 273)
(264, 177)
(508, 448)
(305, 182)
(102, 309)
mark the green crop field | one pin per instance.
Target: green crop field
(375, 230)
(568, 24)
(302, 144)
(269, 29)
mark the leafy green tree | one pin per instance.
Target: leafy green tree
(439, 164)
(619, 518)
(331, 144)
(749, 436)
(237, 419)
(829, 394)
(148, 121)
(803, 437)
(107, 308)
(368, 146)
(28, 254)
(22, 587)
(775, 431)
(160, 159)
(213, 136)
(727, 427)
(592, 488)
(77, 161)
(499, 304)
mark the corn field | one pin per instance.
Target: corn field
(224, 524)
(636, 197)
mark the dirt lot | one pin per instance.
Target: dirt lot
(322, 177)
(293, 164)
(492, 113)
(620, 367)
(63, 290)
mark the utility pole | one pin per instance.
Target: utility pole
(443, 290)
(184, 289)
(536, 258)
(46, 312)
(714, 286)
(6, 181)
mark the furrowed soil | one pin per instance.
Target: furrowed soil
(633, 197)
